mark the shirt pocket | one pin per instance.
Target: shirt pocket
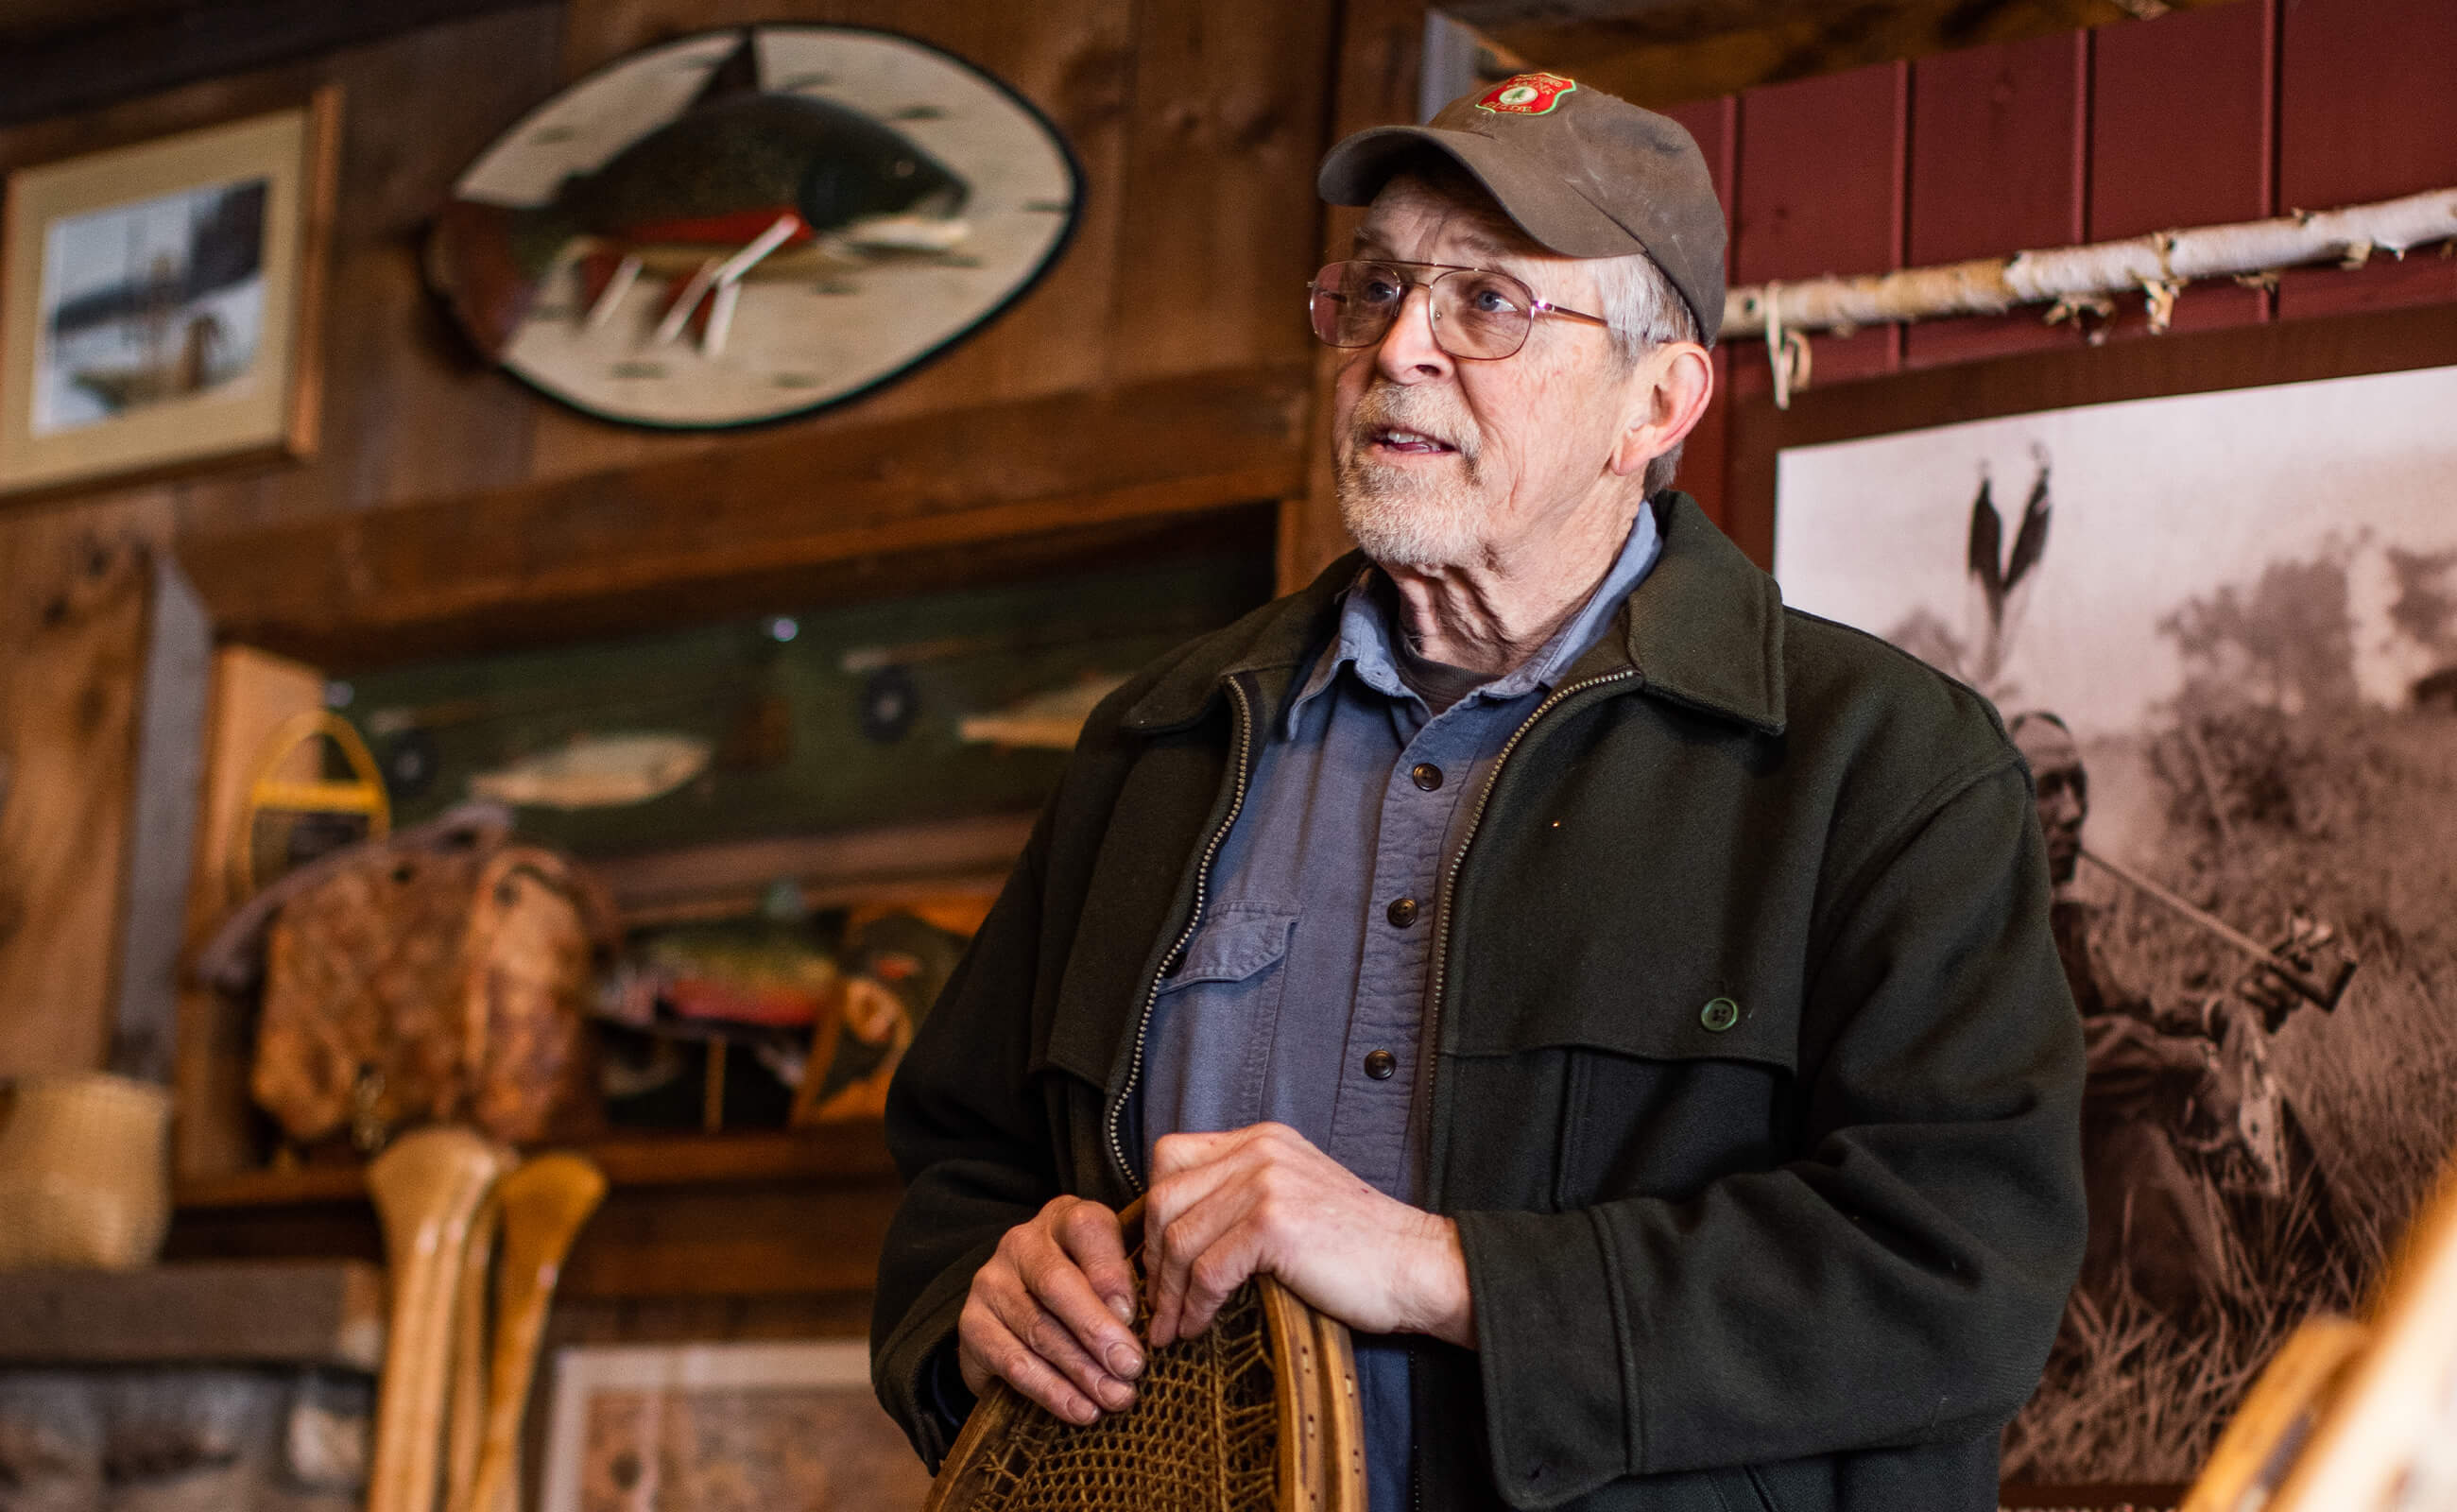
(1215, 1021)
(1235, 942)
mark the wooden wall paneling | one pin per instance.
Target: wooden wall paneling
(1996, 165)
(408, 411)
(2180, 136)
(2368, 110)
(1716, 127)
(1822, 166)
(73, 584)
(1221, 221)
(1379, 53)
(1077, 68)
(108, 53)
(745, 527)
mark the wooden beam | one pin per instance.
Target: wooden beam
(756, 525)
(1669, 54)
(132, 50)
(761, 1213)
(311, 1313)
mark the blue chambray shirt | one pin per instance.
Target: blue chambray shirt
(1301, 997)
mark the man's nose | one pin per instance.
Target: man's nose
(1408, 352)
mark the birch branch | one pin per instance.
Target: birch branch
(2157, 264)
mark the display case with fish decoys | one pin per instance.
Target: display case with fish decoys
(938, 707)
(714, 778)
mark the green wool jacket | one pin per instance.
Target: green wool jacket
(1756, 1083)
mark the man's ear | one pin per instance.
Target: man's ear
(1668, 396)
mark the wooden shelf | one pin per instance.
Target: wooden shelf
(807, 514)
(328, 1313)
(839, 1153)
(769, 1213)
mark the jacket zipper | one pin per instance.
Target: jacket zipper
(1450, 887)
(1442, 955)
(1202, 885)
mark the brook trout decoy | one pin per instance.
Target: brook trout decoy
(716, 176)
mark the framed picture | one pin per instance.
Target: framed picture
(725, 1428)
(159, 302)
(2210, 582)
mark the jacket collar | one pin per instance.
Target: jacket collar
(1704, 630)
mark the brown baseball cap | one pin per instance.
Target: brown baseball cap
(1583, 173)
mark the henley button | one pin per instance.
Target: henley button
(1720, 1014)
(1401, 913)
(1426, 774)
(1380, 1065)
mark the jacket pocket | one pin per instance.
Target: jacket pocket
(1616, 1090)
(1668, 1088)
(1664, 1125)
(1741, 1491)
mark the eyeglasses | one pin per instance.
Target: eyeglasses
(1478, 313)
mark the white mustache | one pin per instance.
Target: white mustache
(1388, 406)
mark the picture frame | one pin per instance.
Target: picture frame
(2128, 489)
(687, 1428)
(161, 301)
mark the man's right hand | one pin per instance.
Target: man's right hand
(1051, 1313)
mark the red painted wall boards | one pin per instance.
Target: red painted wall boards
(2180, 136)
(1714, 123)
(2368, 110)
(1996, 165)
(1820, 191)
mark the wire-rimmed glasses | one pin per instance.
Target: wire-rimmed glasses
(1478, 313)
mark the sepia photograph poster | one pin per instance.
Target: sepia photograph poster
(2223, 629)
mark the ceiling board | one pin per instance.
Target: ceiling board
(1665, 52)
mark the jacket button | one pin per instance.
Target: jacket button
(1720, 1014)
(1381, 1065)
(1426, 775)
(1401, 913)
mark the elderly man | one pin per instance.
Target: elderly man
(1628, 1005)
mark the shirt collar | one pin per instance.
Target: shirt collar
(1365, 640)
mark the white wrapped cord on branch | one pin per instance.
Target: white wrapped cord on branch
(2075, 279)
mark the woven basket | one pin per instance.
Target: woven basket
(434, 978)
(84, 1172)
(1256, 1414)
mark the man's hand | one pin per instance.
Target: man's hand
(1263, 1201)
(1051, 1313)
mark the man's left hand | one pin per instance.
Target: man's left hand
(1260, 1200)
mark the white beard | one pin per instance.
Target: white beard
(1403, 517)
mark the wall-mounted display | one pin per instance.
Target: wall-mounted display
(852, 716)
(159, 302)
(751, 224)
(719, 1427)
(2223, 629)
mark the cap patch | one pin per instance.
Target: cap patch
(1525, 95)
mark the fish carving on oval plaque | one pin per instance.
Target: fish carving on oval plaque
(747, 225)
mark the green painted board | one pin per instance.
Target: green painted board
(842, 717)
